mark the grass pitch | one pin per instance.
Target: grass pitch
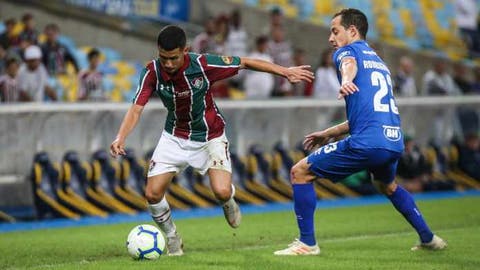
(365, 237)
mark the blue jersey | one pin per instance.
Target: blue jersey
(372, 115)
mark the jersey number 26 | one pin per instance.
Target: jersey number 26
(385, 83)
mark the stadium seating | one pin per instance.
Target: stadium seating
(103, 185)
(415, 24)
(45, 181)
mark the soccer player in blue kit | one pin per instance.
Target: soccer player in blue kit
(375, 142)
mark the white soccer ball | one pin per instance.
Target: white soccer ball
(145, 242)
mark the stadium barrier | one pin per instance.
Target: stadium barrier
(86, 127)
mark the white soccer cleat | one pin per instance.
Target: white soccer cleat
(232, 214)
(437, 243)
(298, 248)
(175, 245)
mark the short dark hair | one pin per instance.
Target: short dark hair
(10, 61)
(352, 16)
(93, 53)
(171, 37)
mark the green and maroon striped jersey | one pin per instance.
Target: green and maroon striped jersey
(192, 113)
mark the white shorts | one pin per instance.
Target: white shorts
(173, 154)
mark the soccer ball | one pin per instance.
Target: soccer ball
(145, 242)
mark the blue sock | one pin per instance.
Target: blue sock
(305, 202)
(404, 203)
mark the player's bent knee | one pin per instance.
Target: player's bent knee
(153, 196)
(222, 193)
(386, 189)
(299, 174)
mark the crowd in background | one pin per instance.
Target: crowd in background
(29, 59)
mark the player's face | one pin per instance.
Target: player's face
(339, 35)
(172, 60)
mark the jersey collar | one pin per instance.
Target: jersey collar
(168, 77)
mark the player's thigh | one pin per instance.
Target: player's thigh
(336, 160)
(157, 185)
(169, 156)
(383, 165)
(221, 183)
(213, 155)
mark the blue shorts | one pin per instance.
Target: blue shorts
(337, 160)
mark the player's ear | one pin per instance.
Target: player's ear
(186, 49)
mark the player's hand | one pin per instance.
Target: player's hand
(299, 73)
(346, 89)
(117, 147)
(316, 139)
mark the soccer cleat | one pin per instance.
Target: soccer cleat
(297, 248)
(175, 245)
(232, 213)
(437, 243)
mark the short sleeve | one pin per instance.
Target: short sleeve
(342, 53)
(146, 85)
(218, 67)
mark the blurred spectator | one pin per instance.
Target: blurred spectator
(236, 43)
(404, 85)
(29, 35)
(33, 77)
(413, 167)
(460, 78)
(276, 20)
(437, 81)
(221, 35)
(237, 40)
(3, 59)
(259, 84)
(476, 81)
(9, 90)
(90, 80)
(281, 51)
(469, 156)
(326, 85)
(8, 38)
(466, 16)
(205, 41)
(55, 55)
(302, 88)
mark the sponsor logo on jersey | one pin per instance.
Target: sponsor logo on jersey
(197, 82)
(369, 52)
(392, 133)
(342, 55)
(182, 94)
(164, 87)
(227, 59)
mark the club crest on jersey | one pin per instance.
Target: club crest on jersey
(227, 59)
(197, 82)
(392, 133)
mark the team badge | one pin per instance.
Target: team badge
(197, 82)
(227, 59)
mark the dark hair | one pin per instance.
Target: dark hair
(10, 21)
(93, 53)
(52, 27)
(324, 59)
(26, 17)
(10, 61)
(171, 37)
(261, 40)
(355, 17)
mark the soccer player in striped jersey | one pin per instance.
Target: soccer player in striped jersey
(194, 132)
(375, 142)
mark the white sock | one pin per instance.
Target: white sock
(161, 214)
(231, 201)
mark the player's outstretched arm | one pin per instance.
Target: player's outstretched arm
(293, 74)
(348, 69)
(320, 138)
(129, 122)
